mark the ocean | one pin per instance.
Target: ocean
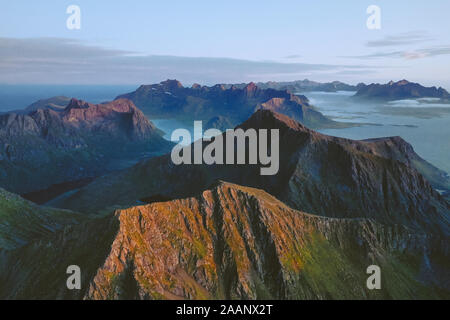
(14, 97)
(424, 123)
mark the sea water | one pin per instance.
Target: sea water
(429, 135)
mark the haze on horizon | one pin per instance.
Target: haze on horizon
(210, 42)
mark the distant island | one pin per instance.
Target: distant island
(399, 90)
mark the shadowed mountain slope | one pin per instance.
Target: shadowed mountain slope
(22, 221)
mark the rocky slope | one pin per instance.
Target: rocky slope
(229, 242)
(400, 90)
(47, 146)
(320, 174)
(170, 99)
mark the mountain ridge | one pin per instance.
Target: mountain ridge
(172, 100)
(226, 242)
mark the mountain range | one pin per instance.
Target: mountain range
(227, 242)
(156, 230)
(47, 144)
(308, 86)
(234, 104)
(400, 90)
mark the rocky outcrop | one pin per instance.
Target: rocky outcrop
(400, 90)
(227, 242)
(46, 146)
(235, 103)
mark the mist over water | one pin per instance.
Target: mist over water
(429, 136)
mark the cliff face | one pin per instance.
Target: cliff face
(47, 146)
(230, 242)
(320, 174)
(400, 90)
(171, 99)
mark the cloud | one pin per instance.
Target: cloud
(293, 56)
(408, 54)
(66, 61)
(400, 39)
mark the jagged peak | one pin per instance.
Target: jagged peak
(77, 104)
(251, 87)
(264, 118)
(171, 84)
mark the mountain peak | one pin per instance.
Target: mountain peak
(269, 119)
(77, 104)
(402, 82)
(251, 87)
(171, 84)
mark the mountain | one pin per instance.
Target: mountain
(48, 146)
(307, 86)
(400, 90)
(57, 103)
(226, 242)
(220, 122)
(169, 99)
(323, 175)
(38, 243)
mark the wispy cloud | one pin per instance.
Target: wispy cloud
(400, 39)
(293, 56)
(65, 61)
(408, 54)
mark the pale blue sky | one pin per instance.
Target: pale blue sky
(149, 41)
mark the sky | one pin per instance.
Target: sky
(208, 42)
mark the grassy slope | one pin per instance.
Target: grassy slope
(22, 221)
